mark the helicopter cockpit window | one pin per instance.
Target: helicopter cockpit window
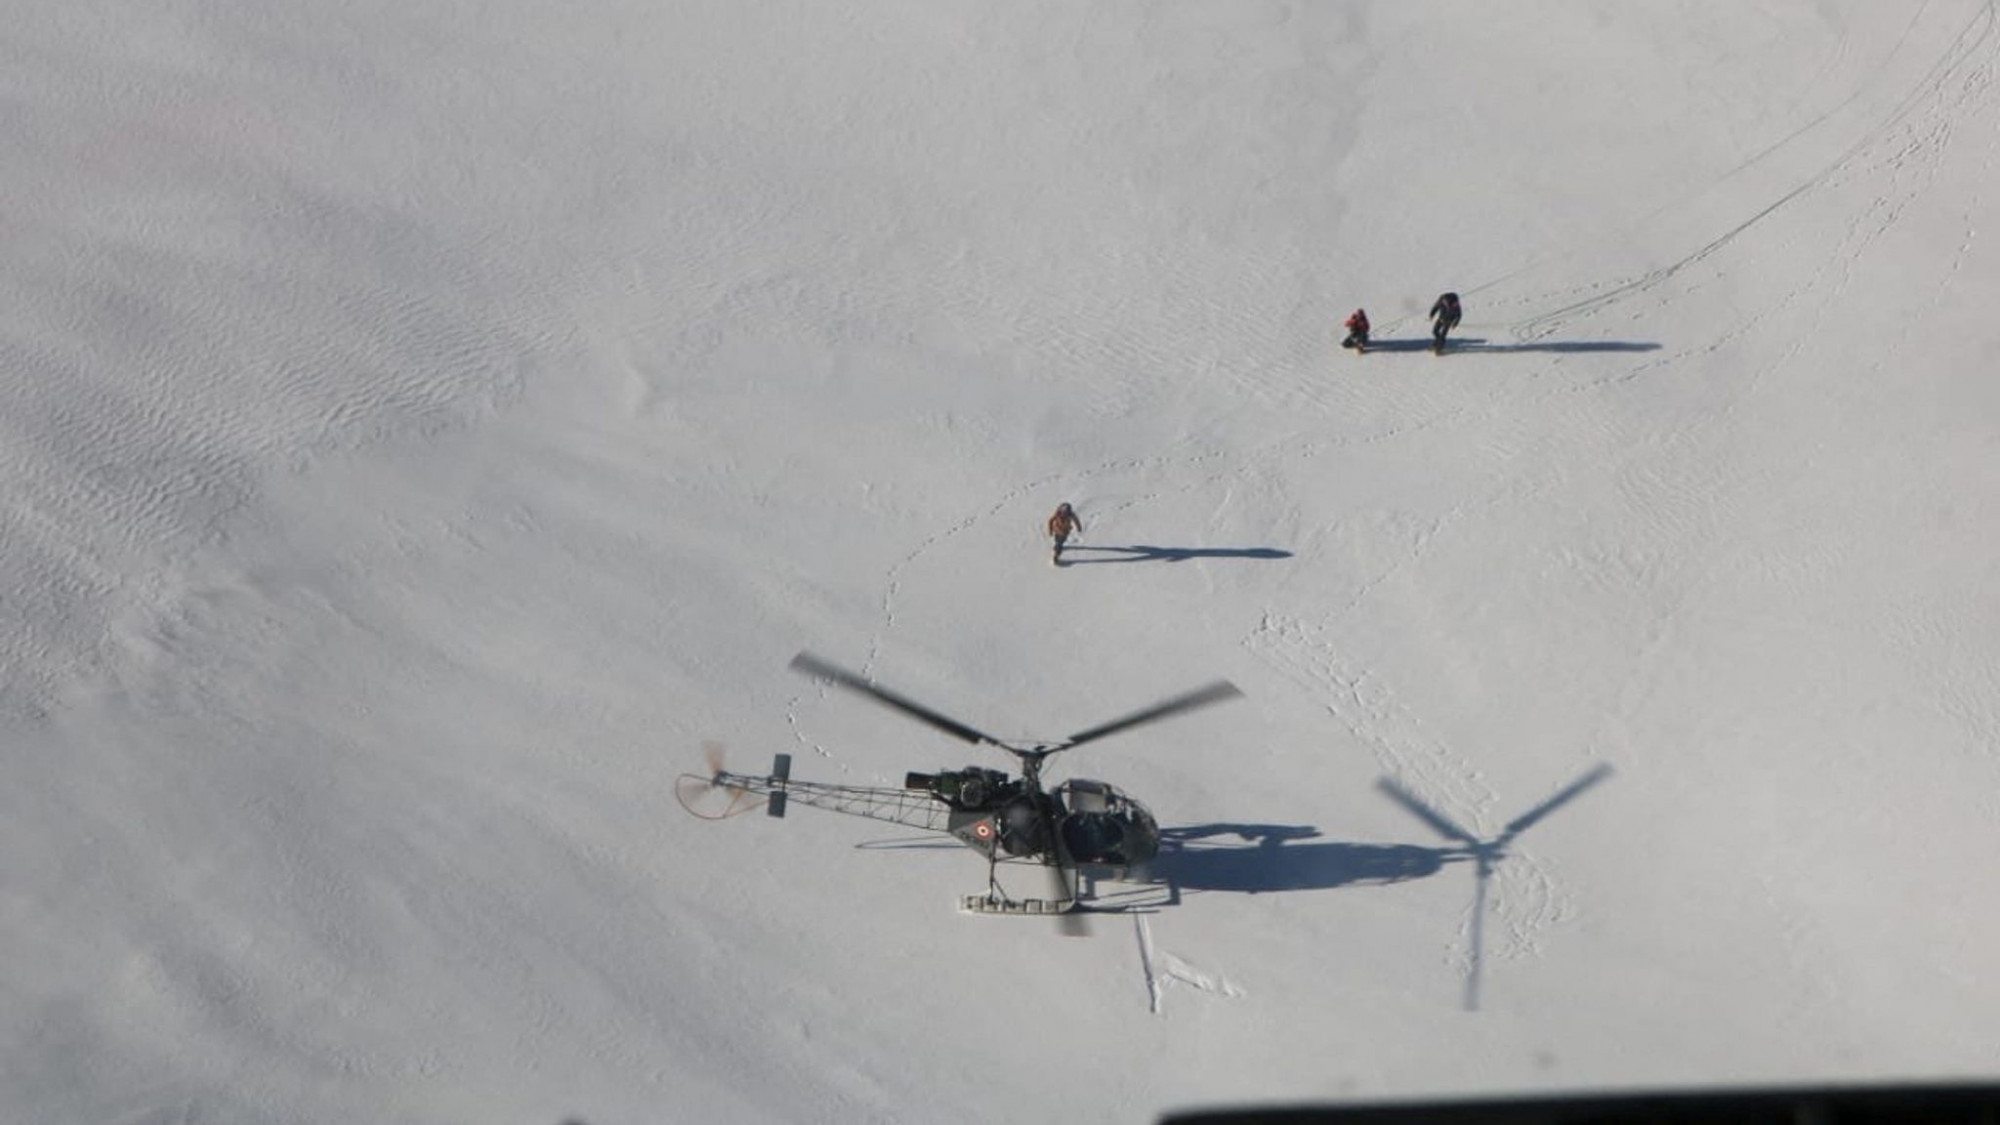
(1095, 838)
(1087, 796)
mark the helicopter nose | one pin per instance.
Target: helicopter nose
(1142, 838)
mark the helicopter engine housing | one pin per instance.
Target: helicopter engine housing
(970, 789)
(1024, 826)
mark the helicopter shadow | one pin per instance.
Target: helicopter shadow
(1145, 553)
(1269, 859)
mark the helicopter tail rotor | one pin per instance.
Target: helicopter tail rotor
(705, 795)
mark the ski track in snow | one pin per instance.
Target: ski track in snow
(1931, 87)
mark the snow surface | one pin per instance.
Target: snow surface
(422, 424)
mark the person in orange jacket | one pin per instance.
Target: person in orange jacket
(1063, 524)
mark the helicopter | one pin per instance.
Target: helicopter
(1078, 823)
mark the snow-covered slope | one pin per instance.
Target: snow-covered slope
(423, 424)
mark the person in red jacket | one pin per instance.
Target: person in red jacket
(1357, 331)
(1062, 525)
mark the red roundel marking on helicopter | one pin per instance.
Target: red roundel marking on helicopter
(983, 830)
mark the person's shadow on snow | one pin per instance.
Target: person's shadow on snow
(1478, 344)
(1146, 553)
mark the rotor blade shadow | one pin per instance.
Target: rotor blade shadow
(1437, 821)
(1561, 797)
(1486, 854)
(1147, 553)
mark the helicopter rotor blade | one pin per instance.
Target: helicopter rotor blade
(1187, 701)
(813, 666)
(1437, 821)
(1562, 797)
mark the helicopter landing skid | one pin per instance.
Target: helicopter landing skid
(994, 904)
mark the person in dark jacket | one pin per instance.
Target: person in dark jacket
(1444, 317)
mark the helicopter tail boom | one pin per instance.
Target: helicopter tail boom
(913, 807)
